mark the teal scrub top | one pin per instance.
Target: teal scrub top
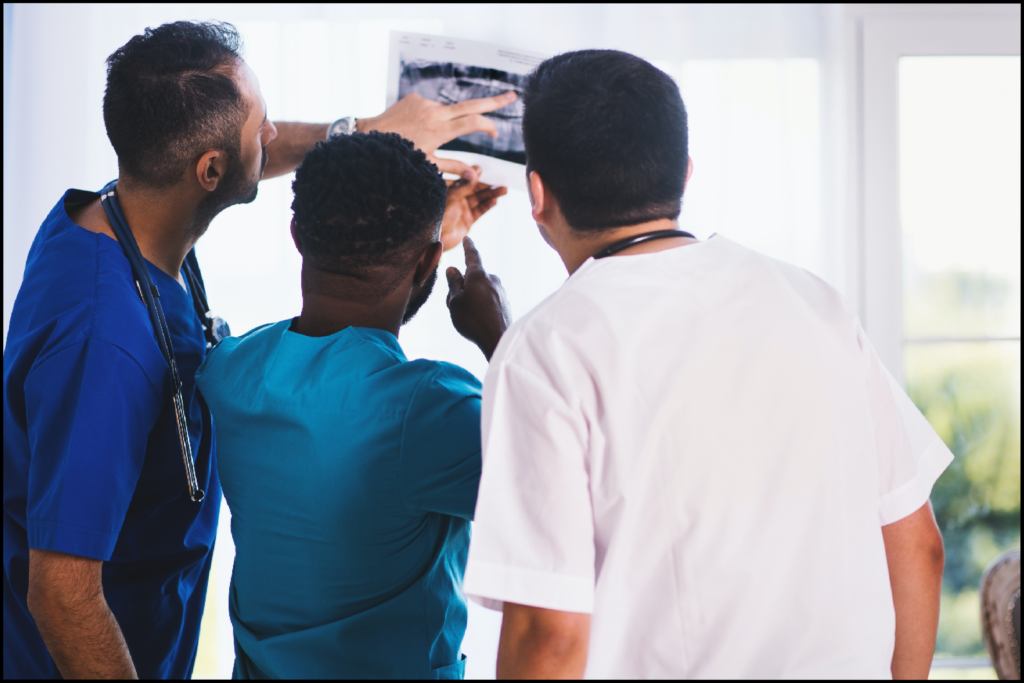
(351, 475)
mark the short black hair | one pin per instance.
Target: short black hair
(171, 96)
(366, 200)
(607, 133)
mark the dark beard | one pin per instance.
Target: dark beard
(234, 189)
(420, 297)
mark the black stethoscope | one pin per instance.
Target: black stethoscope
(214, 328)
(616, 247)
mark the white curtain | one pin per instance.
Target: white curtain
(766, 136)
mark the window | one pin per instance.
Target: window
(940, 277)
(959, 132)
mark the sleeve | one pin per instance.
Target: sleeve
(911, 456)
(89, 410)
(533, 538)
(440, 461)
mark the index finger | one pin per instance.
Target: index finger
(481, 105)
(473, 261)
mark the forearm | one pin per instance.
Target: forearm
(83, 638)
(290, 146)
(539, 658)
(917, 620)
(914, 553)
(295, 139)
(540, 643)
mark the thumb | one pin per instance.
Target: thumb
(455, 281)
(454, 167)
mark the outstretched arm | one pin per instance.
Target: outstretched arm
(427, 123)
(290, 146)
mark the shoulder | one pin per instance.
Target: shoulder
(257, 336)
(804, 282)
(445, 404)
(441, 381)
(810, 292)
(77, 290)
(253, 343)
(558, 331)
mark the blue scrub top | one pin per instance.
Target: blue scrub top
(92, 465)
(351, 474)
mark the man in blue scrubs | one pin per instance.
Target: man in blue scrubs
(351, 472)
(106, 557)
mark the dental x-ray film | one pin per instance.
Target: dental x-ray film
(450, 70)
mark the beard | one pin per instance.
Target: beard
(419, 297)
(236, 188)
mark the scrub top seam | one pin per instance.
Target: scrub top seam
(83, 339)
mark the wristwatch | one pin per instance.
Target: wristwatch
(346, 125)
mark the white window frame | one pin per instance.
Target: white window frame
(884, 34)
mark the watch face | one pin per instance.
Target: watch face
(343, 126)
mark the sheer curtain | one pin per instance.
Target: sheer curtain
(766, 130)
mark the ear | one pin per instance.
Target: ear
(538, 195)
(211, 168)
(427, 264)
(295, 235)
(541, 204)
(689, 171)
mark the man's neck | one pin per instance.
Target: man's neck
(328, 306)
(581, 246)
(163, 222)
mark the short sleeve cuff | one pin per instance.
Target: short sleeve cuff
(911, 496)
(491, 585)
(71, 540)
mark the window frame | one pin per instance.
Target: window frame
(883, 37)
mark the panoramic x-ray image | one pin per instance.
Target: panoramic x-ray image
(449, 83)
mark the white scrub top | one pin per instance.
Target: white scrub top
(699, 446)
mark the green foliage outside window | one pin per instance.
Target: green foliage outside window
(970, 392)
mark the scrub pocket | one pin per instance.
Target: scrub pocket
(452, 672)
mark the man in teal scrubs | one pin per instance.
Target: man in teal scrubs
(351, 473)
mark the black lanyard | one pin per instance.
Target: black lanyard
(616, 247)
(213, 328)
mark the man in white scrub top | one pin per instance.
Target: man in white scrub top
(694, 462)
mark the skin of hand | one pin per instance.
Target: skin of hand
(429, 124)
(467, 202)
(477, 302)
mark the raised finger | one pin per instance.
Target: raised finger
(482, 105)
(454, 167)
(484, 195)
(455, 282)
(473, 123)
(473, 260)
(461, 189)
(482, 191)
(482, 208)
